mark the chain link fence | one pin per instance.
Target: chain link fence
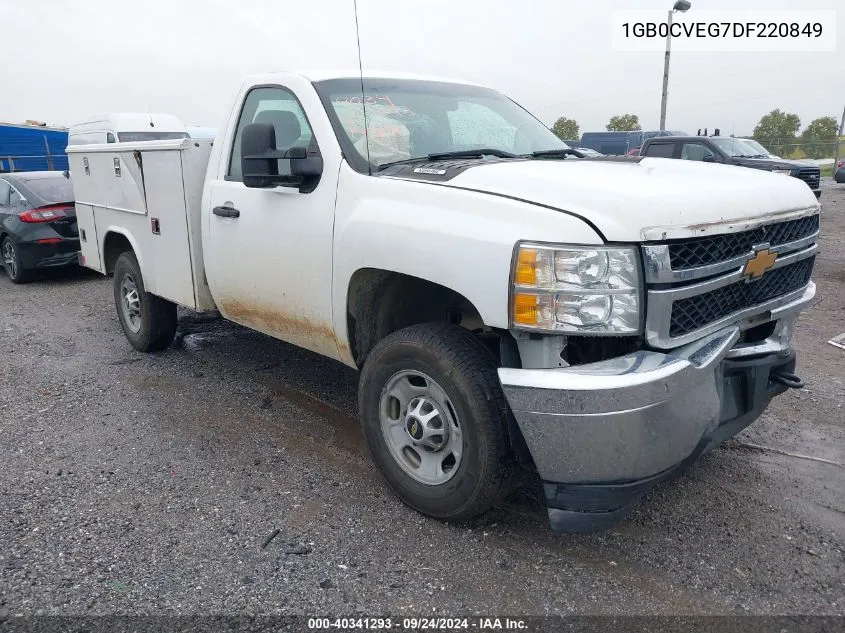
(793, 147)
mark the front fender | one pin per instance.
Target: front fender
(460, 239)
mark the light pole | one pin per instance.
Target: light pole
(682, 6)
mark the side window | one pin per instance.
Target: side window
(4, 193)
(475, 125)
(110, 138)
(695, 151)
(14, 197)
(281, 108)
(660, 150)
(85, 138)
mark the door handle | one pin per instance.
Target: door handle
(226, 212)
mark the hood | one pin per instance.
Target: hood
(647, 199)
(775, 163)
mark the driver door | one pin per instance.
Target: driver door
(698, 151)
(270, 268)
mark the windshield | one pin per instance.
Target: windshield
(760, 149)
(409, 119)
(52, 190)
(134, 137)
(737, 147)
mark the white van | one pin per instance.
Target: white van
(201, 132)
(126, 127)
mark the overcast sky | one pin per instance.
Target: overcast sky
(65, 59)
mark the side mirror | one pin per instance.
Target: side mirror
(260, 161)
(710, 159)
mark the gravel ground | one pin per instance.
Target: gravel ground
(150, 484)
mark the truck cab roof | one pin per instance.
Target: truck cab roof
(315, 75)
(134, 121)
(125, 126)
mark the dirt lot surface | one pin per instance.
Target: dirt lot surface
(136, 483)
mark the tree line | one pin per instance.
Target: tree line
(777, 131)
(565, 128)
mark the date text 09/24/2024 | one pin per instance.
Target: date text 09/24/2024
(418, 624)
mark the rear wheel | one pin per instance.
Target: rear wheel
(435, 420)
(12, 262)
(148, 321)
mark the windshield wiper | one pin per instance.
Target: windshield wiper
(472, 153)
(551, 153)
(464, 153)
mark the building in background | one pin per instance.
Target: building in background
(32, 147)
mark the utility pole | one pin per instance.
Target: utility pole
(666, 72)
(682, 6)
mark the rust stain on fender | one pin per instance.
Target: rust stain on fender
(318, 337)
(345, 353)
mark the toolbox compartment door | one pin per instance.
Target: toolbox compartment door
(89, 242)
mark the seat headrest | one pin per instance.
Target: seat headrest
(285, 123)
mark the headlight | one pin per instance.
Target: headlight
(585, 290)
(785, 172)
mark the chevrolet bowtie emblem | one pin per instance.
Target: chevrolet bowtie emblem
(762, 261)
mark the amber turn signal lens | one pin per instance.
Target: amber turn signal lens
(526, 267)
(525, 309)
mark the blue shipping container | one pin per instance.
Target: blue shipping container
(32, 148)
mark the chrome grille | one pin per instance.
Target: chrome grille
(696, 286)
(693, 313)
(810, 175)
(704, 251)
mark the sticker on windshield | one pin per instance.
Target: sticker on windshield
(388, 135)
(429, 170)
(368, 100)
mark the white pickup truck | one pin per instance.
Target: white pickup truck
(603, 320)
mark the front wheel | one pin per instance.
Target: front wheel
(435, 420)
(148, 321)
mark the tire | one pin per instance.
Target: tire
(453, 365)
(148, 321)
(12, 262)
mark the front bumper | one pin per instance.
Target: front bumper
(601, 435)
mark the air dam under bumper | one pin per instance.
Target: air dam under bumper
(603, 434)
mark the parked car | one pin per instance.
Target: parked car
(126, 127)
(587, 152)
(201, 132)
(620, 143)
(505, 302)
(37, 222)
(732, 151)
(839, 175)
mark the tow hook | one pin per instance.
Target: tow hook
(787, 380)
